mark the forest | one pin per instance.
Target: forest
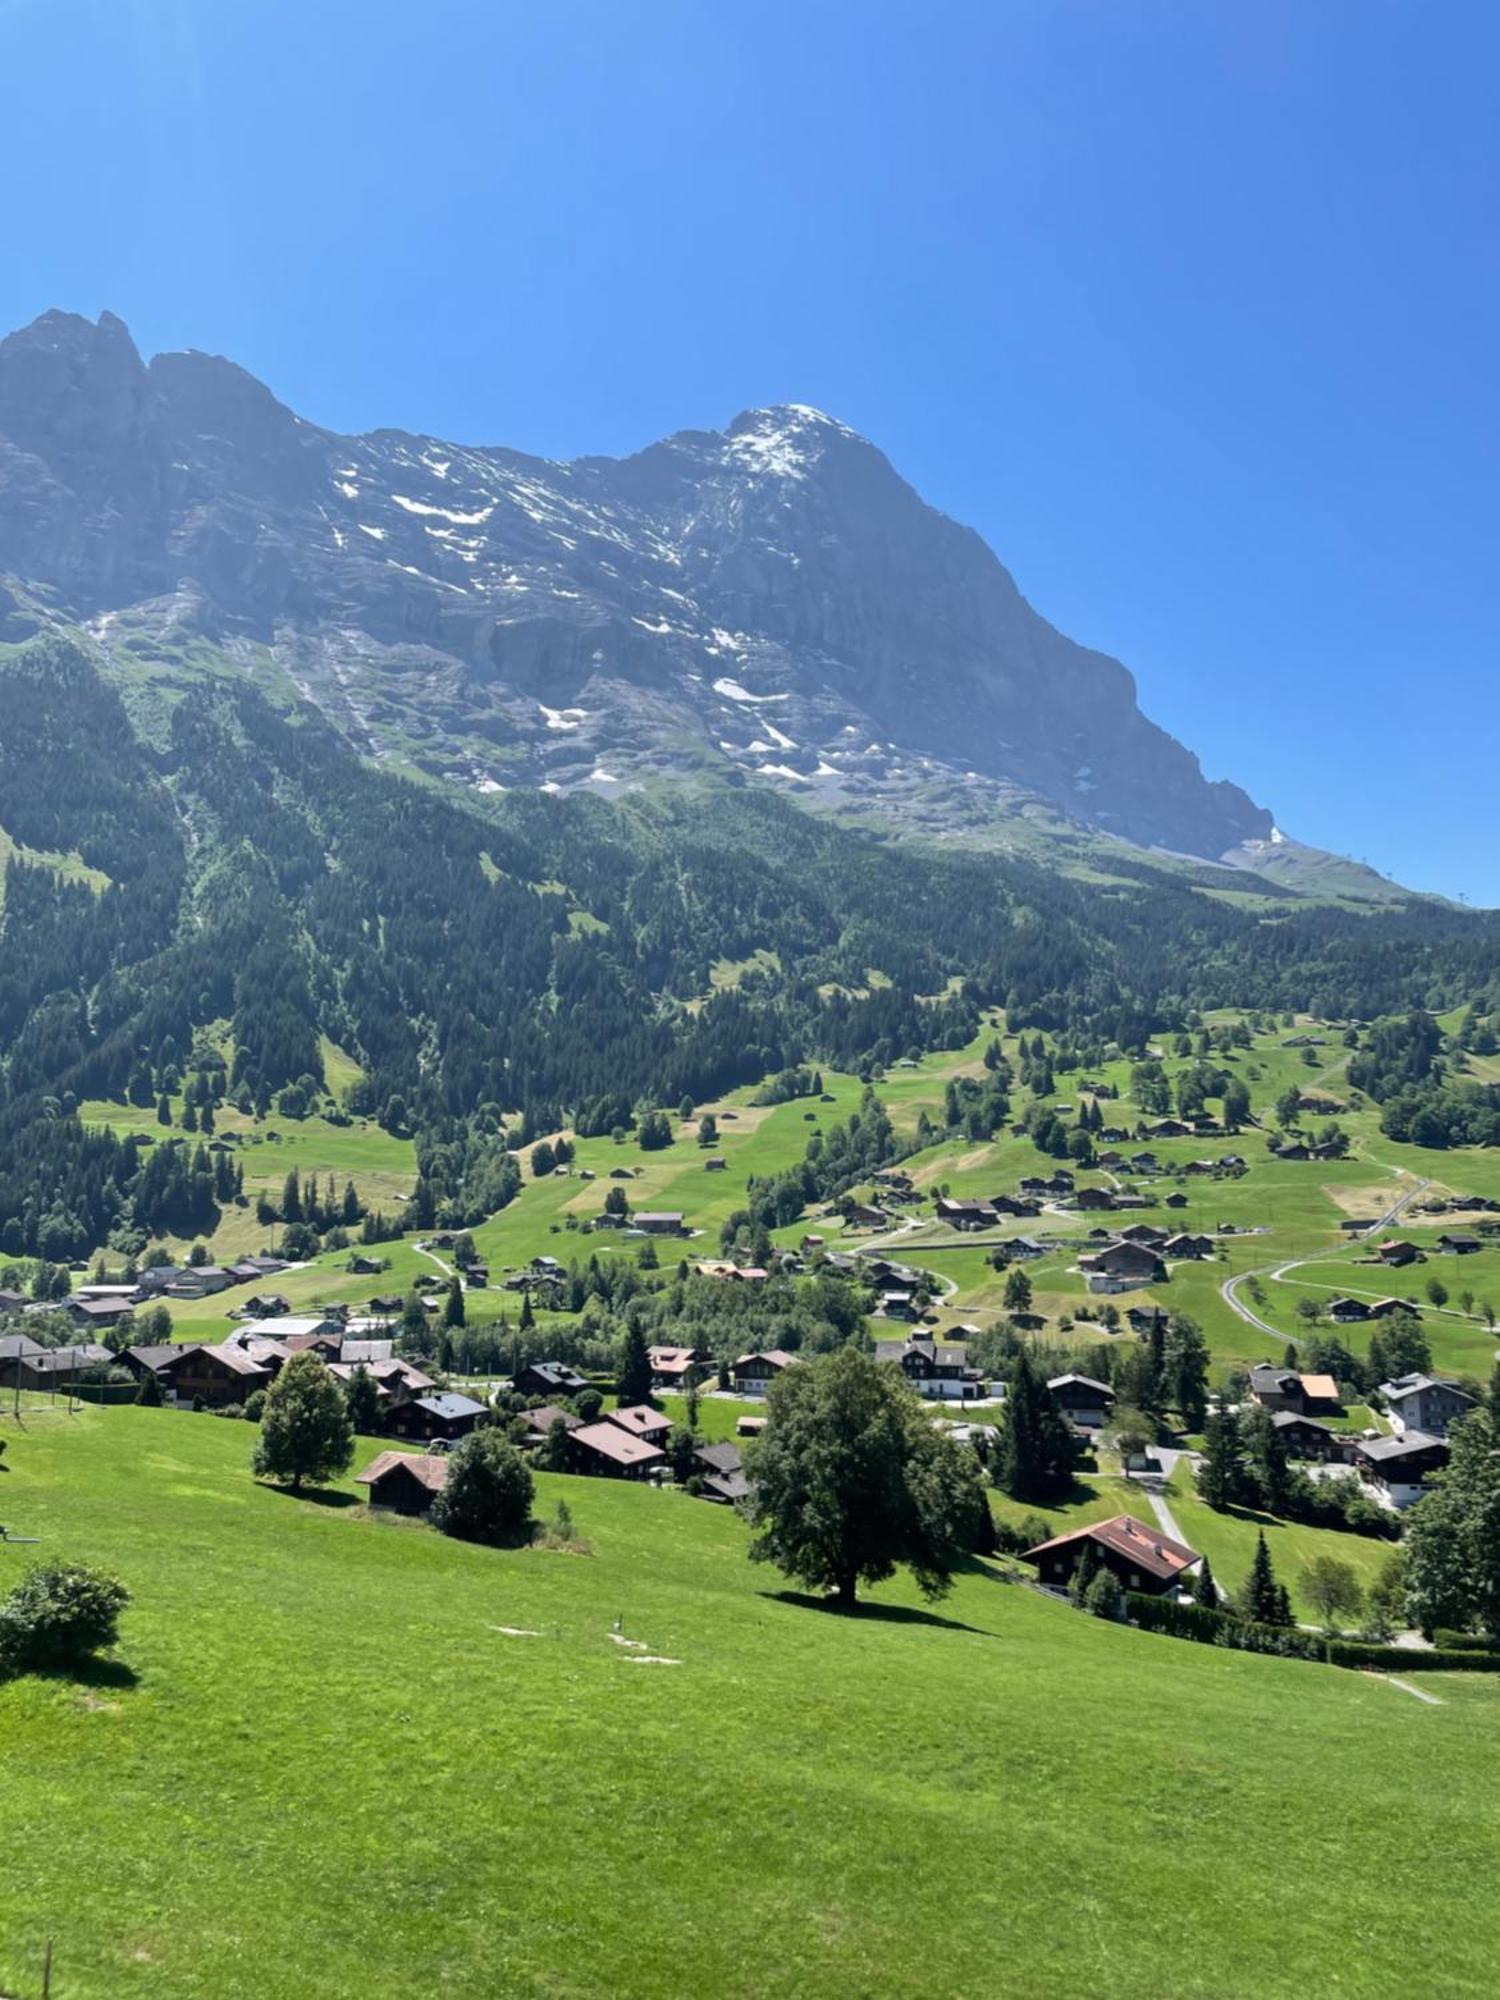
(194, 916)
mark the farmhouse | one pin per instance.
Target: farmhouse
(1305, 1437)
(677, 1367)
(1397, 1252)
(660, 1222)
(1084, 1402)
(1459, 1245)
(1400, 1467)
(104, 1312)
(25, 1365)
(605, 1449)
(721, 1473)
(932, 1368)
(965, 1214)
(1187, 1245)
(213, 1376)
(540, 1422)
(753, 1374)
(1418, 1403)
(1145, 1233)
(1348, 1312)
(1090, 1199)
(1122, 1264)
(641, 1421)
(1386, 1308)
(1141, 1558)
(440, 1415)
(406, 1482)
(552, 1379)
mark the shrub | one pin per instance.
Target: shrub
(255, 1406)
(1104, 1597)
(235, 1410)
(1402, 1660)
(57, 1615)
(488, 1493)
(1448, 1641)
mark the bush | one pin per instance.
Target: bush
(1221, 1628)
(488, 1493)
(57, 1615)
(1104, 1598)
(1448, 1641)
(1402, 1660)
(255, 1406)
(235, 1410)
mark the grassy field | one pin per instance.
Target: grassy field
(329, 1766)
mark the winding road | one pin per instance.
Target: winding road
(1229, 1290)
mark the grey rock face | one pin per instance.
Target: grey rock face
(772, 597)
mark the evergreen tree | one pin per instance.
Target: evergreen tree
(362, 1400)
(454, 1313)
(1084, 1572)
(1017, 1295)
(1219, 1472)
(149, 1391)
(1262, 1600)
(1205, 1589)
(1036, 1453)
(634, 1385)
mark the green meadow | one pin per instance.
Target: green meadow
(339, 1756)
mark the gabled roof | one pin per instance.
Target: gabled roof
(1414, 1385)
(617, 1445)
(448, 1404)
(640, 1420)
(1391, 1450)
(234, 1358)
(1150, 1550)
(18, 1346)
(778, 1358)
(1321, 1388)
(1080, 1382)
(429, 1470)
(542, 1420)
(719, 1457)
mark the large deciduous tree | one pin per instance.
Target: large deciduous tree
(305, 1437)
(852, 1480)
(488, 1493)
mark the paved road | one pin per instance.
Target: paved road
(1230, 1287)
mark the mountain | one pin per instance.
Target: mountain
(769, 603)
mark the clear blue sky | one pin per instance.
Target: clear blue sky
(1192, 309)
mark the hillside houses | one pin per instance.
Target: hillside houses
(1419, 1404)
(1121, 1265)
(1287, 1389)
(933, 1368)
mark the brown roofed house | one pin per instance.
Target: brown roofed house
(1141, 1558)
(607, 1450)
(406, 1482)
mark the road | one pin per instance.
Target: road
(1230, 1287)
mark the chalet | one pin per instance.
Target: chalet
(213, 1376)
(292, 1332)
(1084, 1402)
(862, 1215)
(809, 1244)
(660, 1222)
(1320, 1393)
(405, 1482)
(366, 1351)
(1419, 1403)
(1111, 1159)
(364, 1267)
(607, 1450)
(1348, 1311)
(1355, 1225)
(1169, 1128)
(749, 1427)
(1147, 1320)
(97, 1312)
(1277, 1388)
(753, 1374)
(932, 1368)
(444, 1414)
(1013, 1204)
(1386, 1308)
(18, 1347)
(1397, 1253)
(11, 1302)
(549, 1379)
(263, 1305)
(1400, 1467)
(1305, 1437)
(386, 1305)
(143, 1361)
(965, 1214)
(198, 1281)
(123, 1294)
(1177, 1199)
(1027, 1247)
(25, 1365)
(1141, 1558)
(1121, 1264)
(539, 1423)
(1459, 1245)
(1296, 1151)
(1094, 1199)
(721, 1473)
(898, 1304)
(641, 1421)
(677, 1367)
(1188, 1245)
(1144, 1163)
(1146, 1233)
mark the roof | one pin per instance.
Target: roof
(640, 1420)
(1322, 1388)
(1413, 1385)
(1264, 1376)
(777, 1356)
(429, 1470)
(731, 1486)
(18, 1346)
(1283, 1419)
(558, 1373)
(283, 1326)
(1150, 1550)
(448, 1403)
(542, 1420)
(722, 1457)
(1385, 1450)
(617, 1445)
(235, 1359)
(1081, 1382)
(366, 1350)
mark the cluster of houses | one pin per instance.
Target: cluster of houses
(1396, 1468)
(1139, 1255)
(102, 1307)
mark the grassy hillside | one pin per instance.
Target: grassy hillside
(329, 1766)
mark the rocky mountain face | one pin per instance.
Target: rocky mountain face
(772, 599)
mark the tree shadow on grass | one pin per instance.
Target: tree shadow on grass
(95, 1672)
(319, 1496)
(872, 1614)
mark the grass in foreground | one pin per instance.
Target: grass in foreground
(331, 1769)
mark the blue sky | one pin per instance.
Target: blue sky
(1192, 310)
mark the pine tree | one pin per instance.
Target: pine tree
(528, 1316)
(1084, 1572)
(149, 1394)
(453, 1305)
(362, 1400)
(1262, 1600)
(1205, 1589)
(1036, 1453)
(1219, 1474)
(634, 1385)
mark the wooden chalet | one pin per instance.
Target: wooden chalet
(403, 1481)
(608, 1451)
(1141, 1558)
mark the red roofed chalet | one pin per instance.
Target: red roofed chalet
(1142, 1558)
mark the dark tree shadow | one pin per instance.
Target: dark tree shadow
(318, 1496)
(870, 1613)
(95, 1672)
